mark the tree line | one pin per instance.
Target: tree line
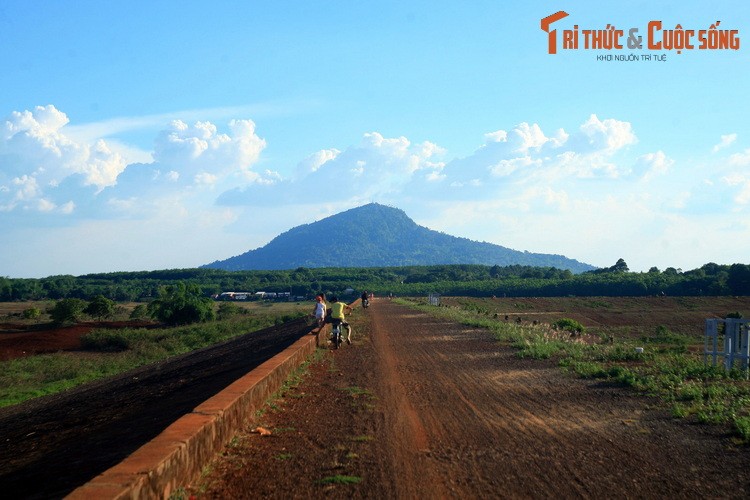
(458, 280)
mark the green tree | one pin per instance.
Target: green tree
(67, 311)
(139, 312)
(181, 304)
(739, 279)
(58, 287)
(620, 266)
(6, 289)
(100, 307)
(712, 268)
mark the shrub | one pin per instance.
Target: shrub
(105, 340)
(588, 369)
(664, 335)
(67, 311)
(139, 312)
(742, 427)
(227, 310)
(32, 313)
(182, 304)
(569, 325)
(100, 307)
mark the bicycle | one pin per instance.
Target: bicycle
(336, 333)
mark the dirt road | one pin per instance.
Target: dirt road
(425, 408)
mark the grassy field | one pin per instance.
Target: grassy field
(651, 344)
(13, 311)
(110, 351)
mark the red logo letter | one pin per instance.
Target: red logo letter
(552, 37)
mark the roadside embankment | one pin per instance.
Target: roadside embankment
(180, 452)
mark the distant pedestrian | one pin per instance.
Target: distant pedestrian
(365, 299)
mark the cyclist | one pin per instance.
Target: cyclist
(337, 316)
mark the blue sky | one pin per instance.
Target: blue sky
(156, 135)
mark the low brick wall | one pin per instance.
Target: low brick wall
(178, 454)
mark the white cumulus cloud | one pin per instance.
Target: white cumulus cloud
(377, 166)
(313, 162)
(655, 164)
(198, 148)
(608, 135)
(36, 156)
(525, 154)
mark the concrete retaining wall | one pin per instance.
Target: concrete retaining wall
(178, 454)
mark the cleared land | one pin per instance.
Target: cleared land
(424, 407)
(627, 317)
(421, 407)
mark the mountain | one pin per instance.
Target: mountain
(375, 235)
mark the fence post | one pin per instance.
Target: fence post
(711, 335)
(744, 334)
(729, 344)
(736, 343)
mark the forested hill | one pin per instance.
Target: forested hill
(375, 235)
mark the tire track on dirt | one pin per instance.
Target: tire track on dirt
(412, 481)
(459, 405)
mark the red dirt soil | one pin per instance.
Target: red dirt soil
(421, 407)
(19, 340)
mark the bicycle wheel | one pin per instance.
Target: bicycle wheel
(336, 337)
